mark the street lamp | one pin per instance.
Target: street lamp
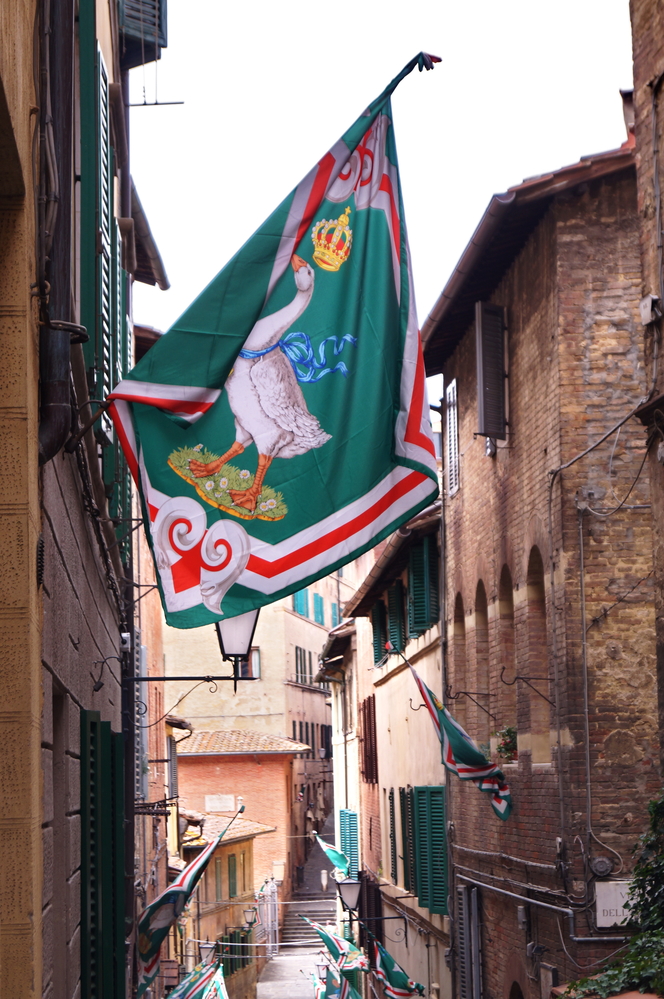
(321, 752)
(206, 951)
(250, 917)
(235, 635)
(349, 893)
(321, 971)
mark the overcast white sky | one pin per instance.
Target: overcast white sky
(524, 88)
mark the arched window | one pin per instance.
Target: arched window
(507, 697)
(538, 660)
(482, 727)
(458, 707)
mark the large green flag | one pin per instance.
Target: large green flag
(336, 857)
(206, 981)
(281, 427)
(396, 983)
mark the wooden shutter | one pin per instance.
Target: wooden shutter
(395, 618)
(393, 838)
(143, 31)
(172, 767)
(102, 859)
(490, 347)
(226, 955)
(469, 942)
(430, 848)
(423, 605)
(349, 844)
(369, 747)
(232, 875)
(407, 839)
(452, 435)
(335, 615)
(319, 609)
(379, 631)
(217, 879)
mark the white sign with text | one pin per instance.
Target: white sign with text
(611, 897)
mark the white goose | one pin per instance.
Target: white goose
(266, 399)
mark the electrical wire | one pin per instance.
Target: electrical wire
(610, 513)
(590, 964)
(170, 710)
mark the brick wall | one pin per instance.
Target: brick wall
(576, 367)
(264, 782)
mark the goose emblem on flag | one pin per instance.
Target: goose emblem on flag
(281, 427)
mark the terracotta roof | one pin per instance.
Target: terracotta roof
(501, 234)
(238, 742)
(241, 829)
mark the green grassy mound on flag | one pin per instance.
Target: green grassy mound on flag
(214, 489)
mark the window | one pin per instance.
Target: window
(301, 602)
(369, 747)
(243, 871)
(430, 848)
(217, 879)
(250, 668)
(319, 609)
(490, 349)
(306, 736)
(301, 733)
(395, 618)
(171, 746)
(407, 837)
(102, 855)
(335, 614)
(423, 605)
(232, 875)
(310, 675)
(379, 631)
(451, 409)
(300, 665)
(393, 837)
(469, 946)
(294, 731)
(142, 31)
(349, 844)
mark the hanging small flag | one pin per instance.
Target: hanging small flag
(281, 427)
(158, 917)
(462, 757)
(396, 983)
(344, 952)
(206, 981)
(336, 857)
(319, 986)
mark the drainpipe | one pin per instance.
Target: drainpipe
(54, 249)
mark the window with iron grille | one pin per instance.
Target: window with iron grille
(369, 746)
(490, 351)
(423, 604)
(452, 438)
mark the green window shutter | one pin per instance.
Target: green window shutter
(490, 352)
(423, 610)
(217, 880)
(244, 950)
(143, 31)
(430, 848)
(396, 629)
(335, 615)
(393, 838)
(226, 954)
(406, 838)
(379, 631)
(319, 609)
(349, 840)
(232, 875)
(102, 859)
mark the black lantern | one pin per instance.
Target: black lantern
(207, 950)
(349, 893)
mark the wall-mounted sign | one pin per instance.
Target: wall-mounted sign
(610, 902)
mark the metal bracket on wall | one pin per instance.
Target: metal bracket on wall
(527, 679)
(469, 693)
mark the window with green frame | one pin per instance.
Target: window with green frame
(379, 626)
(430, 839)
(232, 875)
(423, 604)
(108, 352)
(301, 602)
(349, 839)
(102, 859)
(396, 629)
(319, 609)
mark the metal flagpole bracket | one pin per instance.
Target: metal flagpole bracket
(76, 438)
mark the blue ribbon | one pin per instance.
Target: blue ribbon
(297, 348)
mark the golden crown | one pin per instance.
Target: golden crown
(332, 242)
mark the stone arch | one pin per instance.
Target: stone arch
(538, 659)
(459, 658)
(507, 649)
(482, 727)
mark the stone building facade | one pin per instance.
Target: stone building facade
(66, 590)
(549, 641)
